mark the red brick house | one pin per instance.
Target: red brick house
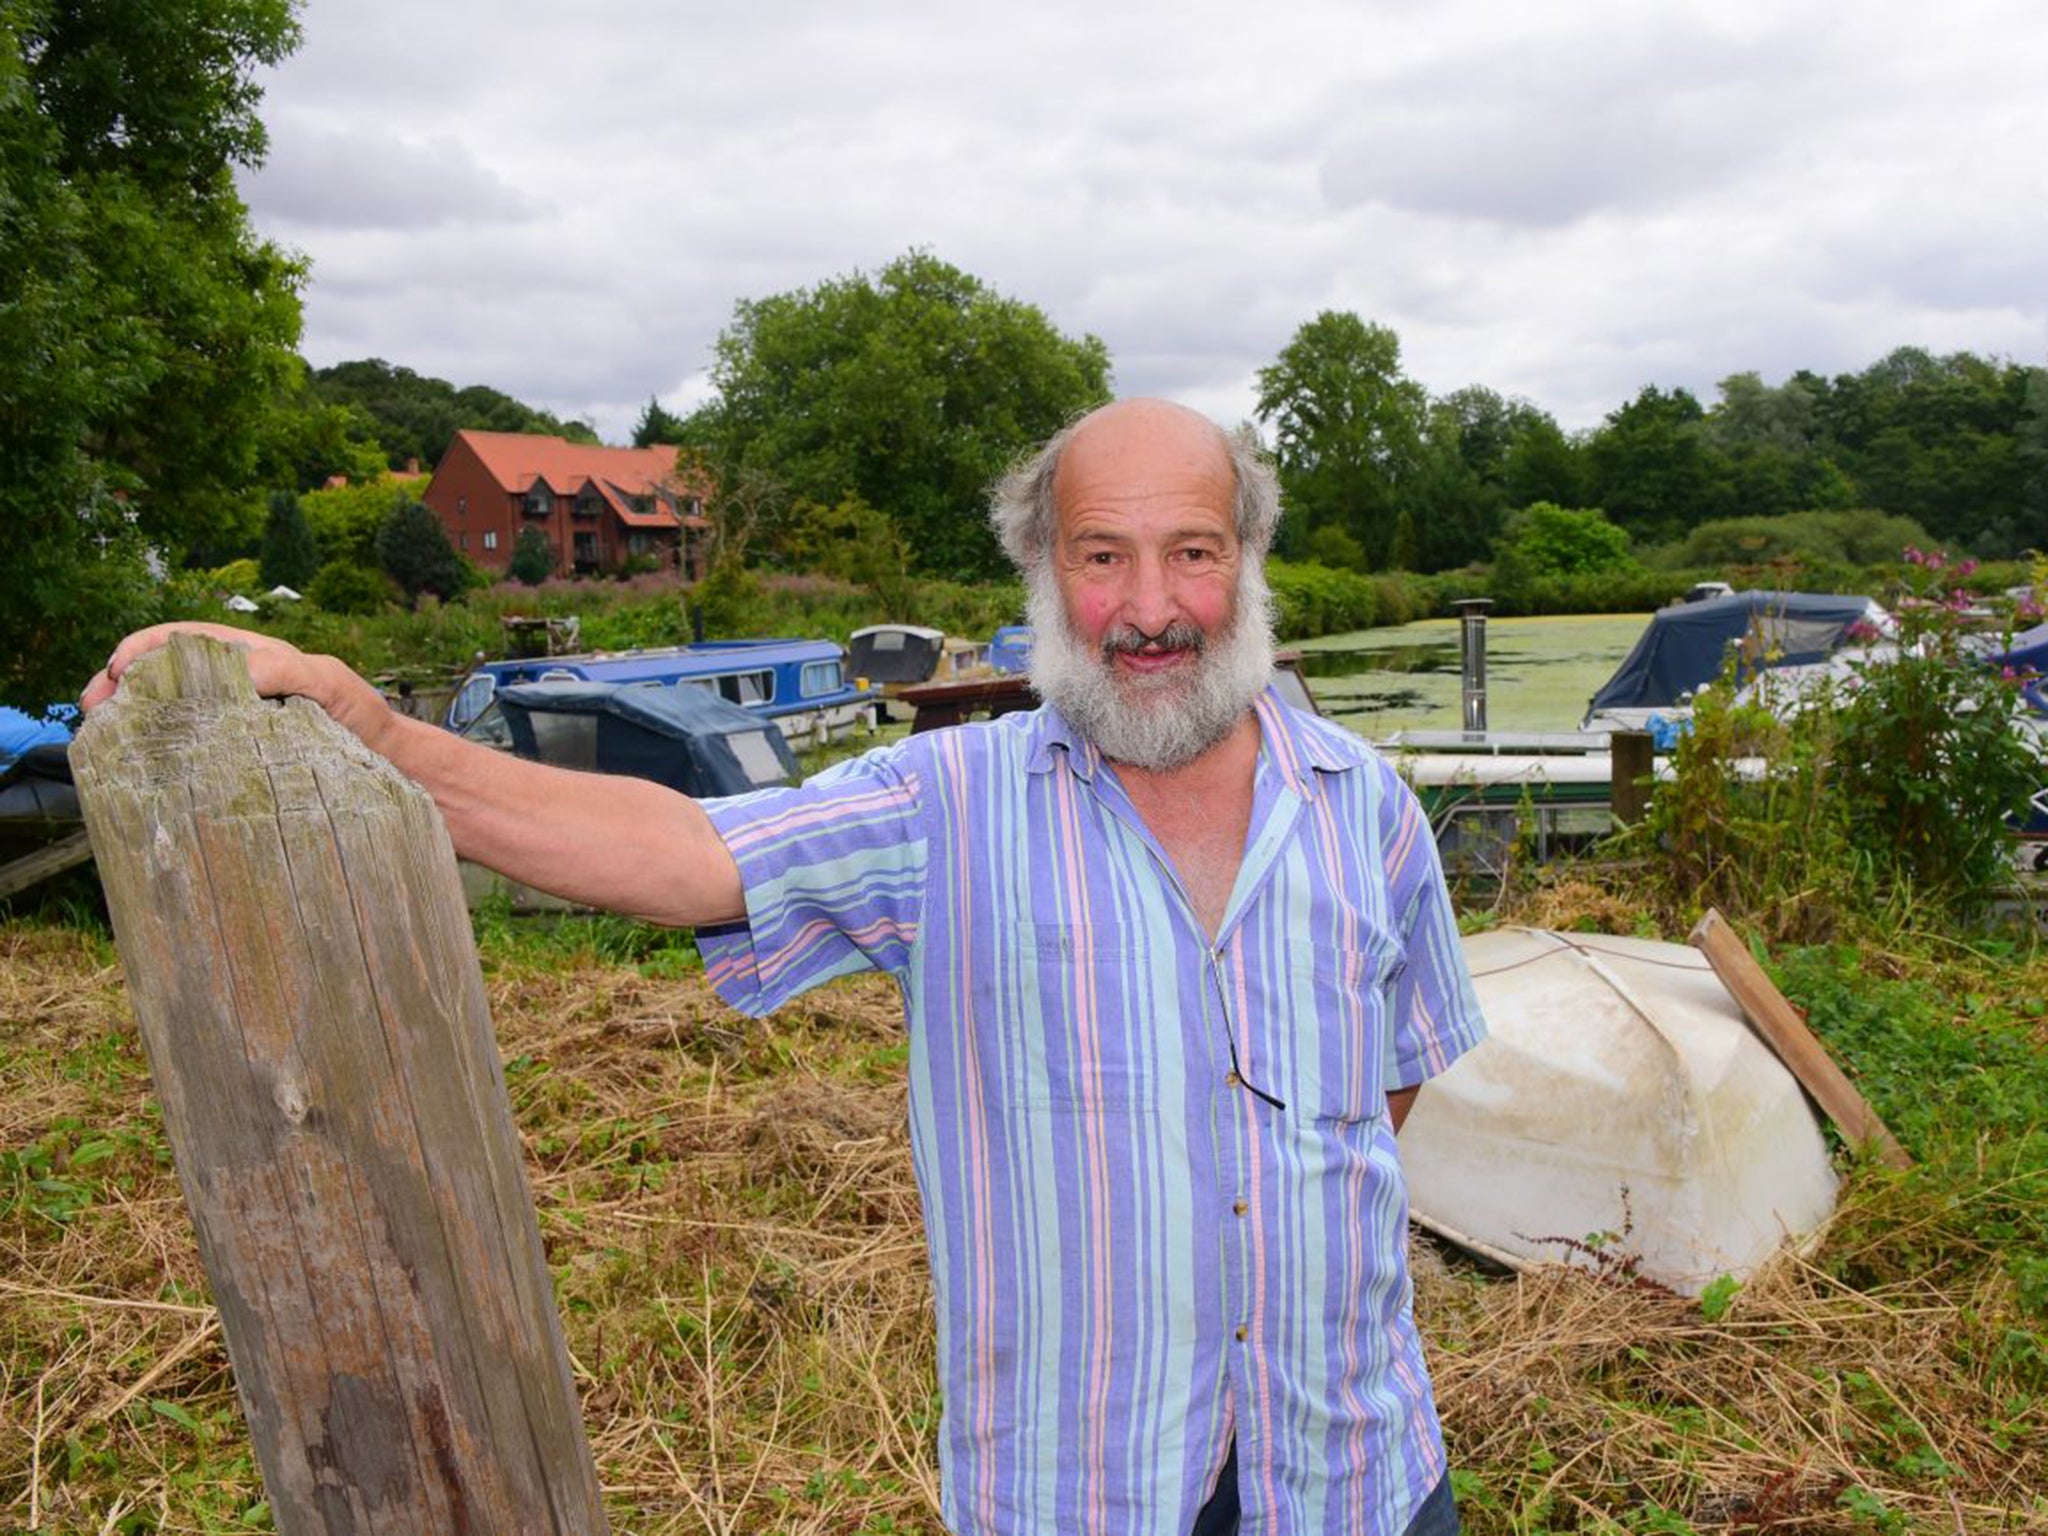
(598, 507)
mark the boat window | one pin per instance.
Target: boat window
(470, 702)
(490, 728)
(701, 684)
(748, 687)
(888, 640)
(558, 675)
(569, 741)
(757, 757)
(821, 677)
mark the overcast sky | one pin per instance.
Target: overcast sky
(1562, 201)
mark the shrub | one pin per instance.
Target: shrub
(1890, 790)
(1312, 600)
(413, 549)
(342, 588)
(533, 558)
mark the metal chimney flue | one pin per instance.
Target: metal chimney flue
(1472, 660)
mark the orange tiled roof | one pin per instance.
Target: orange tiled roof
(516, 459)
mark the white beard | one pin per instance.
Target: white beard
(1163, 722)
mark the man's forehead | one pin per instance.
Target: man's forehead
(1141, 448)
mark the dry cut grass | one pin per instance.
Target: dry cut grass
(734, 1232)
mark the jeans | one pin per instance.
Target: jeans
(1438, 1515)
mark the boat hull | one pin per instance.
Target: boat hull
(1621, 1116)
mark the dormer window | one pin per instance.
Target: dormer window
(538, 501)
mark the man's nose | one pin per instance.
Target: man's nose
(1149, 602)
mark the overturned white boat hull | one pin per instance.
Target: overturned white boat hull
(1621, 1115)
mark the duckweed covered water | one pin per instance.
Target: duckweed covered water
(1540, 672)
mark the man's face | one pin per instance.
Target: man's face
(1140, 642)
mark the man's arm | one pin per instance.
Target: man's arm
(1399, 1102)
(624, 844)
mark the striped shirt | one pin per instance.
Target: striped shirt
(1133, 1255)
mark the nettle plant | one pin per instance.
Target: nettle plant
(1893, 788)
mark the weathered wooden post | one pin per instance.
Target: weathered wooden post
(292, 928)
(1632, 771)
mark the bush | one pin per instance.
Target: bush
(1312, 600)
(349, 589)
(243, 576)
(533, 558)
(413, 549)
(1888, 792)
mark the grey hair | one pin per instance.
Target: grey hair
(1024, 516)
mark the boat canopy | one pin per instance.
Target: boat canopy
(1686, 645)
(895, 653)
(687, 738)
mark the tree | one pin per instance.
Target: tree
(414, 551)
(533, 558)
(291, 555)
(1349, 427)
(1653, 468)
(1549, 541)
(146, 329)
(658, 426)
(912, 390)
(415, 417)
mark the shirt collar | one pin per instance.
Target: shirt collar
(1298, 745)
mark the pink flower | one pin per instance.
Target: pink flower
(1966, 570)
(1913, 556)
(1935, 559)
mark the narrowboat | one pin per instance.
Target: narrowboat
(802, 685)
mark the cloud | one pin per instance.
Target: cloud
(1562, 203)
(364, 177)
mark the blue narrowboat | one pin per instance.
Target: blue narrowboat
(799, 684)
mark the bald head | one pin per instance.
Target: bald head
(1135, 443)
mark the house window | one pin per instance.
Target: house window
(462, 506)
(462, 541)
(537, 502)
(490, 539)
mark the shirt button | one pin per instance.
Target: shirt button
(1243, 1334)
(1231, 1079)
(1239, 1206)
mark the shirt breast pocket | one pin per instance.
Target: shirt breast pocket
(1334, 1028)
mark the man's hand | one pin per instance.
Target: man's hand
(276, 668)
(624, 844)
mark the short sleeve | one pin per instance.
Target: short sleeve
(833, 871)
(1434, 1013)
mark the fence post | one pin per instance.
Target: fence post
(300, 961)
(1632, 767)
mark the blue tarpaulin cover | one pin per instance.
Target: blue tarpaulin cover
(1685, 646)
(20, 731)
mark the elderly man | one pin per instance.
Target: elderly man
(1174, 959)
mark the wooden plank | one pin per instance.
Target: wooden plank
(1780, 1027)
(299, 957)
(50, 859)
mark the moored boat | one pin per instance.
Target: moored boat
(802, 685)
(1621, 1116)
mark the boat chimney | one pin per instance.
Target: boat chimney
(1472, 659)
